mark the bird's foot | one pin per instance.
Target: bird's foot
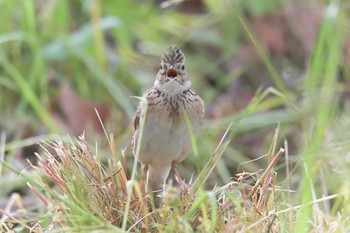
(183, 185)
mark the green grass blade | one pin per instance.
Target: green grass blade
(28, 94)
(208, 168)
(320, 86)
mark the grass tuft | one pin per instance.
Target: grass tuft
(79, 190)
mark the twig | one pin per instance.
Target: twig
(287, 166)
(268, 169)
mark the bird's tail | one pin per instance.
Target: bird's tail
(156, 178)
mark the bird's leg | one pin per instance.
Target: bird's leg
(185, 187)
(177, 175)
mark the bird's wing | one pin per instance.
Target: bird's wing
(137, 118)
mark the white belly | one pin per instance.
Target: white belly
(164, 141)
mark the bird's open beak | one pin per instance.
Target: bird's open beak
(171, 72)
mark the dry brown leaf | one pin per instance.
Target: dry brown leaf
(304, 20)
(79, 113)
(271, 31)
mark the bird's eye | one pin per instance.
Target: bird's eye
(183, 67)
(162, 66)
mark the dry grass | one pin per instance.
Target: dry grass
(84, 194)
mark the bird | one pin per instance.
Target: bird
(166, 135)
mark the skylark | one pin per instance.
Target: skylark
(166, 138)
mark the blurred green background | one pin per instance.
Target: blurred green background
(258, 64)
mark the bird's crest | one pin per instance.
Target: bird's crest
(173, 55)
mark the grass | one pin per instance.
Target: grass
(109, 51)
(92, 196)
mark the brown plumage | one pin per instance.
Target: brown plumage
(166, 139)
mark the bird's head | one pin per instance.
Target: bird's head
(172, 74)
